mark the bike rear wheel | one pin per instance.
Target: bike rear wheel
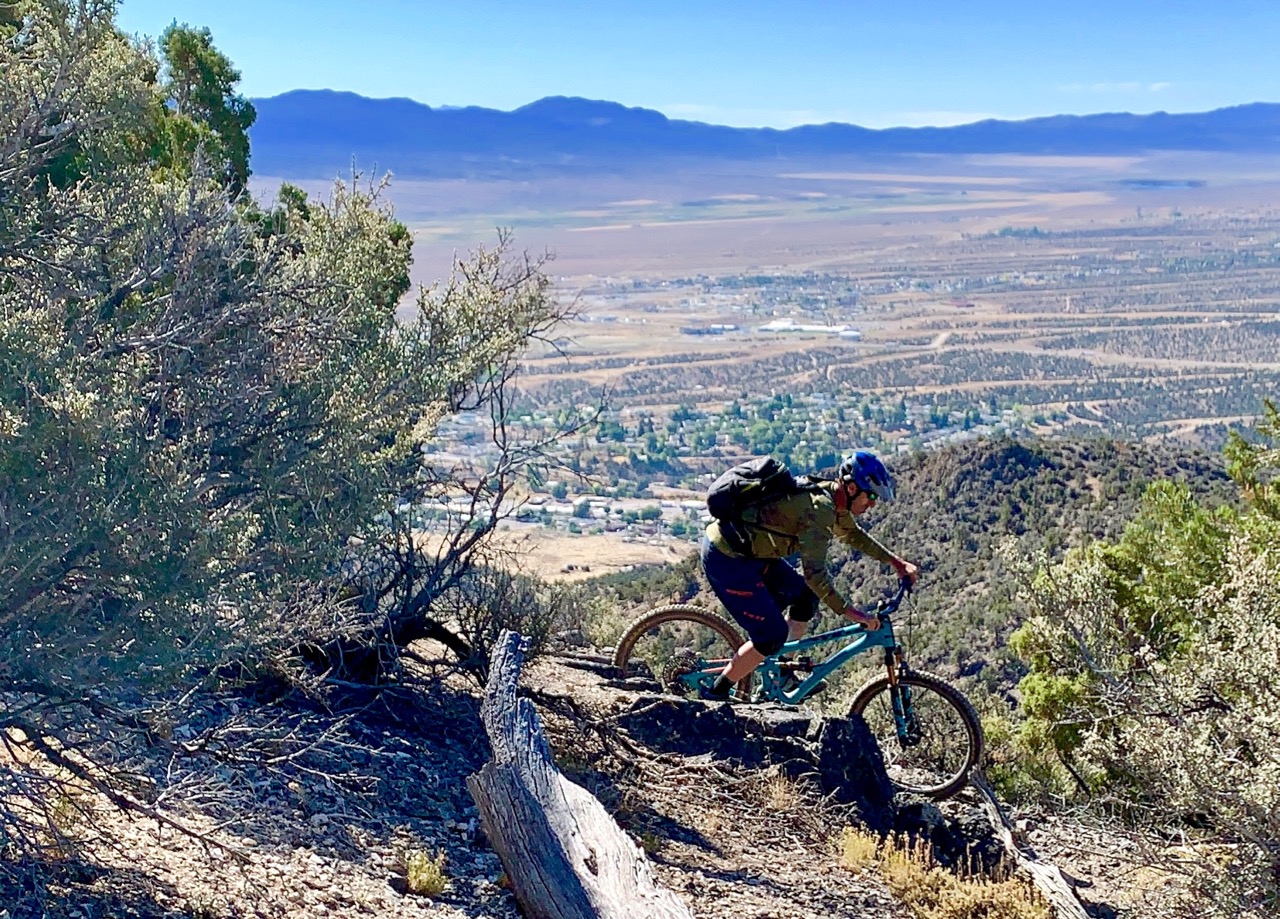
(676, 641)
(943, 740)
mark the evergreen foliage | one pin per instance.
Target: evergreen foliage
(1153, 680)
(212, 419)
(207, 115)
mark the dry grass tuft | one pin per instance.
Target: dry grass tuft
(781, 793)
(931, 891)
(424, 874)
(858, 849)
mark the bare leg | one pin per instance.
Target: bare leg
(745, 660)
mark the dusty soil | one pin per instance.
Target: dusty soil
(328, 838)
(763, 846)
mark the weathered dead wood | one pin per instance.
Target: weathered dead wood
(565, 856)
(1058, 893)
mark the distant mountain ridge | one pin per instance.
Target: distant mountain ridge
(319, 132)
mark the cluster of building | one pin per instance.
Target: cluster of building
(776, 327)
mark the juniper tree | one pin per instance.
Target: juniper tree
(1154, 679)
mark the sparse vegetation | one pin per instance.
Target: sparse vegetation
(425, 874)
(933, 892)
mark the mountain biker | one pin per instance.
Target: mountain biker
(756, 585)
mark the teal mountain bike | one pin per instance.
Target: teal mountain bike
(928, 732)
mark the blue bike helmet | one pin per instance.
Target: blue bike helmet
(865, 470)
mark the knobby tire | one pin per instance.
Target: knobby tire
(932, 777)
(676, 613)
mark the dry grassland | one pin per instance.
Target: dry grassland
(560, 556)
(796, 216)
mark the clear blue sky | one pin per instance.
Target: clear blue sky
(774, 63)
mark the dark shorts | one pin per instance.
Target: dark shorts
(756, 591)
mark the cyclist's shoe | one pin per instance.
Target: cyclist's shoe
(709, 694)
(792, 682)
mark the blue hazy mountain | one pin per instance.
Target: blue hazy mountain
(320, 133)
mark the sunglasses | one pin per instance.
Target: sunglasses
(871, 496)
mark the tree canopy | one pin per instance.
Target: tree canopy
(208, 114)
(212, 413)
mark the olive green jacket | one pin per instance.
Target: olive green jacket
(804, 524)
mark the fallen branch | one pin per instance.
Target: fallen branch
(565, 856)
(1048, 879)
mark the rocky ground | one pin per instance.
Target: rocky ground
(330, 841)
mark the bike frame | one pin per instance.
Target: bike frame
(773, 678)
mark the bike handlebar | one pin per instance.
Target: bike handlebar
(890, 606)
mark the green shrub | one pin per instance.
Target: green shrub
(1154, 680)
(424, 874)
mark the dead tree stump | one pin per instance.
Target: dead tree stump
(565, 856)
(1055, 889)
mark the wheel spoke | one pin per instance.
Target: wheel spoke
(675, 649)
(670, 643)
(941, 740)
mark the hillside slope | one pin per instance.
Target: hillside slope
(385, 777)
(960, 504)
(955, 508)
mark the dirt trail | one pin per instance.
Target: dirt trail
(734, 843)
(756, 846)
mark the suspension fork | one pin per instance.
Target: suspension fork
(893, 664)
(904, 715)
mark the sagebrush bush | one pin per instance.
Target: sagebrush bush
(1154, 682)
(211, 413)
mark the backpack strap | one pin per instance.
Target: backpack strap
(737, 533)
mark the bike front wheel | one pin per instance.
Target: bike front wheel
(677, 645)
(931, 742)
